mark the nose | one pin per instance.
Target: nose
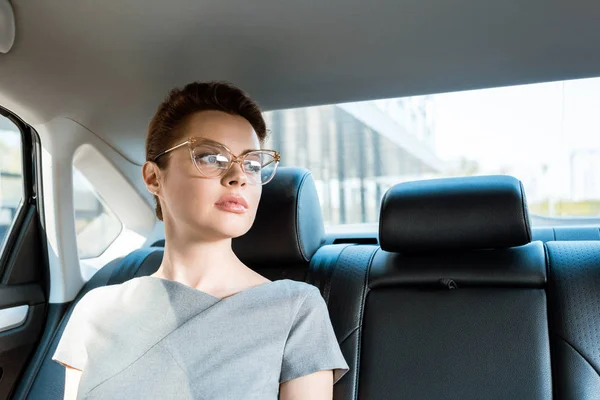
(235, 176)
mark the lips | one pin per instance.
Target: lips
(232, 203)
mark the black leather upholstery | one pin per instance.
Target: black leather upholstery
(430, 323)
(515, 267)
(565, 233)
(465, 325)
(288, 228)
(407, 333)
(141, 262)
(454, 214)
(341, 272)
(475, 343)
(574, 312)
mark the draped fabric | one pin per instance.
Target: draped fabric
(152, 338)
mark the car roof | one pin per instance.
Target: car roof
(107, 65)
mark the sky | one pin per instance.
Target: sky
(523, 128)
(533, 122)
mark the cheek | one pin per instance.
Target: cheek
(203, 193)
(190, 194)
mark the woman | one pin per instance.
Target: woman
(204, 325)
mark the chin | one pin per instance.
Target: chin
(221, 226)
(228, 230)
(233, 233)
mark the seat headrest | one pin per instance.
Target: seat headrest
(288, 228)
(480, 212)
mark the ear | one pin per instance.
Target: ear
(152, 177)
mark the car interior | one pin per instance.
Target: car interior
(442, 281)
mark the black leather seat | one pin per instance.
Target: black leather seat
(287, 231)
(453, 304)
(574, 312)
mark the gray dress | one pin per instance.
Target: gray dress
(152, 338)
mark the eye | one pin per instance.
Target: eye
(206, 158)
(252, 166)
(211, 159)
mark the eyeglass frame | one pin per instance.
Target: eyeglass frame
(193, 141)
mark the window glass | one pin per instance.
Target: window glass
(96, 225)
(11, 175)
(547, 135)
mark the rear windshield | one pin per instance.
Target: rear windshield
(547, 135)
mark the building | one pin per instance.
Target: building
(356, 151)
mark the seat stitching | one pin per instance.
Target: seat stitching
(366, 290)
(297, 218)
(330, 272)
(350, 334)
(524, 212)
(577, 351)
(548, 306)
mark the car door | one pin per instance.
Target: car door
(23, 252)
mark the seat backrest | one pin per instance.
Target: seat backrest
(453, 304)
(574, 315)
(287, 231)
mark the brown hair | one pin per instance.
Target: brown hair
(180, 104)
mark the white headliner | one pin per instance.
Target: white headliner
(107, 65)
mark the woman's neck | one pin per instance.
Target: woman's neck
(202, 265)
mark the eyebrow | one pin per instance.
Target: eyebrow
(229, 148)
(247, 150)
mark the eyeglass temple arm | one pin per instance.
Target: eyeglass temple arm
(171, 149)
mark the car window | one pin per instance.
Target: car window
(96, 225)
(11, 175)
(547, 135)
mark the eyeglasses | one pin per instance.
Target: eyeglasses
(213, 160)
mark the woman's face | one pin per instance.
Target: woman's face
(201, 206)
